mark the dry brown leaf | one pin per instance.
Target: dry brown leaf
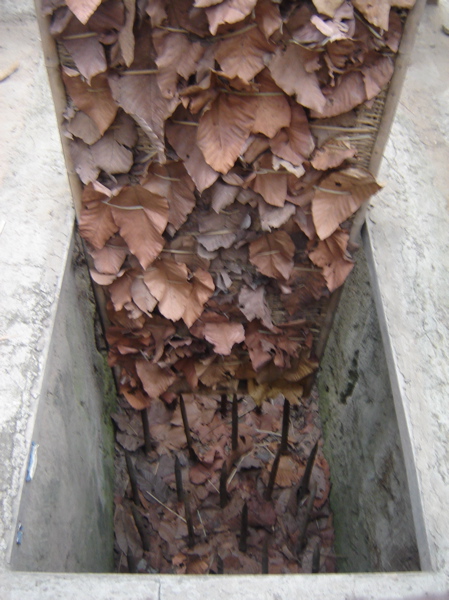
(273, 110)
(222, 230)
(244, 55)
(110, 258)
(141, 98)
(338, 196)
(272, 217)
(273, 254)
(288, 69)
(201, 289)
(88, 55)
(120, 291)
(224, 129)
(126, 36)
(110, 156)
(142, 297)
(155, 380)
(376, 75)
(155, 9)
(222, 195)
(83, 9)
(268, 17)
(183, 139)
(348, 93)
(271, 186)
(223, 336)
(228, 11)
(83, 161)
(378, 12)
(94, 99)
(332, 154)
(327, 7)
(96, 224)
(332, 256)
(177, 57)
(141, 217)
(82, 126)
(253, 305)
(126, 534)
(295, 143)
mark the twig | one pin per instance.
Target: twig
(5, 73)
(146, 431)
(243, 542)
(224, 405)
(273, 473)
(224, 497)
(265, 565)
(202, 524)
(305, 479)
(165, 506)
(316, 559)
(140, 72)
(178, 478)
(132, 479)
(185, 421)
(235, 423)
(190, 530)
(285, 426)
(220, 566)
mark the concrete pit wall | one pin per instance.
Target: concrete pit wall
(66, 509)
(369, 495)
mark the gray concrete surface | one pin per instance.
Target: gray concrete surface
(370, 500)
(36, 221)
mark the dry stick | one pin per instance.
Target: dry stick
(285, 426)
(185, 421)
(220, 566)
(178, 478)
(316, 559)
(243, 543)
(235, 424)
(223, 491)
(132, 478)
(302, 538)
(144, 536)
(190, 530)
(224, 405)
(274, 470)
(132, 562)
(265, 556)
(304, 483)
(146, 430)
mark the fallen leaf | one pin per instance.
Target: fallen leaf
(268, 17)
(332, 154)
(120, 291)
(83, 9)
(327, 7)
(126, 35)
(294, 143)
(376, 75)
(94, 99)
(273, 110)
(338, 196)
(253, 305)
(136, 398)
(272, 217)
(96, 224)
(332, 256)
(141, 218)
(155, 379)
(348, 93)
(378, 12)
(82, 126)
(224, 129)
(228, 11)
(142, 297)
(272, 186)
(83, 161)
(110, 258)
(273, 254)
(222, 195)
(223, 336)
(289, 72)
(125, 529)
(201, 289)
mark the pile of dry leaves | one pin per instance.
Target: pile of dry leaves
(215, 220)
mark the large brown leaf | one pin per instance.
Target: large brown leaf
(327, 7)
(331, 154)
(183, 139)
(376, 75)
(272, 186)
(378, 12)
(155, 379)
(88, 54)
(141, 217)
(338, 196)
(176, 56)
(268, 17)
(111, 156)
(110, 258)
(273, 254)
(96, 224)
(244, 55)
(201, 289)
(332, 257)
(224, 129)
(140, 97)
(273, 110)
(253, 305)
(288, 69)
(348, 93)
(222, 195)
(83, 9)
(294, 143)
(83, 161)
(224, 335)
(229, 11)
(94, 99)
(82, 126)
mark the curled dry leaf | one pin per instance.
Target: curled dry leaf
(96, 224)
(332, 154)
(289, 71)
(155, 379)
(272, 110)
(327, 7)
(83, 161)
(223, 336)
(272, 254)
(376, 75)
(378, 12)
(126, 36)
(110, 258)
(82, 126)
(88, 55)
(83, 9)
(141, 217)
(332, 256)
(224, 129)
(268, 17)
(253, 305)
(142, 297)
(338, 196)
(294, 143)
(94, 99)
(228, 11)
(348, 93)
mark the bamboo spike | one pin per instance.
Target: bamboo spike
(273, 473)
(185, 421)
(265, 565)
(188, 515)
(146, 431)
(224, 405)
(243, 542)
(285, 427)
(132, 563)
(223, 491)
(220, 566)
(144, 536)
(132, 478)
(235, 423)
(305, 480)
(302, 538)
(178, 478)
(316, 559)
